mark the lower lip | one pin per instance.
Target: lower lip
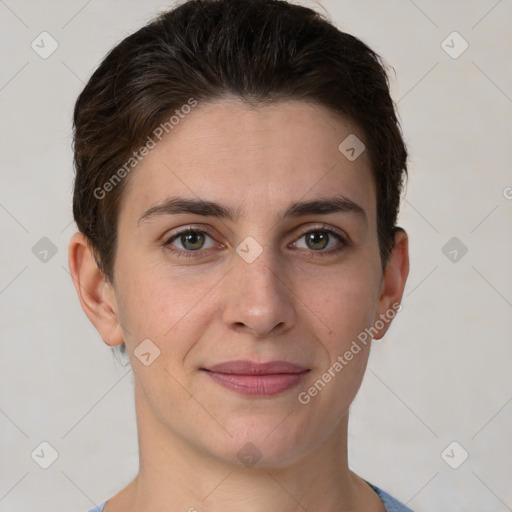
(258, 385)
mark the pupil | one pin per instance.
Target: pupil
(317, 236)
(191, 239)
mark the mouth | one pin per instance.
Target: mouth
(257, 379)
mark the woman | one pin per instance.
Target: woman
(239, 166)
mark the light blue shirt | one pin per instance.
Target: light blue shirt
(391, 504)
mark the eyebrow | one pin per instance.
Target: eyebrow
(320, 206)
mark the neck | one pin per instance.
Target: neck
(173, 473)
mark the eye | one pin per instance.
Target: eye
(320, 239)
(191, 240)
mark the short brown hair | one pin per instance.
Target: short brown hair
(261, 51)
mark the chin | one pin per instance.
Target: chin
(262, 447)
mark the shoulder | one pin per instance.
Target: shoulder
(391, 504)
(98, 508)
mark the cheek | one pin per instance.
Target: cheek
(351, 309)
(169, 308)
(344, 299)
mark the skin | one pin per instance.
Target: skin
(295, 302)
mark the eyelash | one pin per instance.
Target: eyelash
(193, 254)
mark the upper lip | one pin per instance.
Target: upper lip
(245, 367)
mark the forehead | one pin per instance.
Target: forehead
(252, 158)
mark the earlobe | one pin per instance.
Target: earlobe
(394, 279)
(96, 295)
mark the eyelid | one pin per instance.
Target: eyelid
(191, 227)
(209, 231)
(324, 227)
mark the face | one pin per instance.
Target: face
(282, 265)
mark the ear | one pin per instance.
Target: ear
(393, 283)
(96, 294)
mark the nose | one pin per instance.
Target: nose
(259, 297)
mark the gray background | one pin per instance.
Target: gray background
(443, 372)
